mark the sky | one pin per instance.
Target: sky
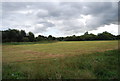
(60, 19)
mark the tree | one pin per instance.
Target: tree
(22, 36)
(86, 33)
(23, 33)
(31, 37)
(41, 38)
(13, 35)
(106, 36)
(60, 38)
(25, 39)
(50, 37)
(118, 37)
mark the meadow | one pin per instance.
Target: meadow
(61, 60)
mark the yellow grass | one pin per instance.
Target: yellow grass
(18, 53)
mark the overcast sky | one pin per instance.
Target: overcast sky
(60, 18)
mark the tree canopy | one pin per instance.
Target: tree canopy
(13, 35)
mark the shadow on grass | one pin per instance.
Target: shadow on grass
(27, 43)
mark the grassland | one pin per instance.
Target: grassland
(61, 60)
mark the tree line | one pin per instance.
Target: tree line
(13, 35)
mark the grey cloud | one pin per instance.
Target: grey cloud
(72, 27)
(47, 24)
(38, 29)
(42, 26)
(104, 13)
(44, 15)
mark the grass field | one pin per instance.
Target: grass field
(61, 60)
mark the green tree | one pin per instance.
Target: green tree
(41, 38)
(106, 36)
(50, 37)
(25, 39)
(86, 33)
(31, 37)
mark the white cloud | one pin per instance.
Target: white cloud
(112, 28)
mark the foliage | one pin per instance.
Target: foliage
(31, 37)
(13, 35)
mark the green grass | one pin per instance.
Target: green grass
(61, 60)
(27, 43)
(92, 66)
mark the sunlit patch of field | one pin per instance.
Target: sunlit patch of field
(74, 59)
(13, 53)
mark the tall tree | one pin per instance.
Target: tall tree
(23, 36)
(31, 37)
(50, 37)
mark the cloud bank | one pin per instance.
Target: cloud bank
(58, 18)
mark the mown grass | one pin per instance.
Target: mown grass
(61, 60)
(15, 53)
